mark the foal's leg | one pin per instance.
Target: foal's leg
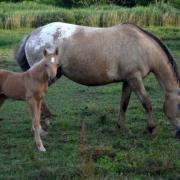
(35, 107)
(137, 85)
(126, 94)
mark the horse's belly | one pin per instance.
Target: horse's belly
(89, 74)
(86, 79)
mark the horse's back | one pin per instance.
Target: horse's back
(105, 55)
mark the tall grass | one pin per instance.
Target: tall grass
(32, 15)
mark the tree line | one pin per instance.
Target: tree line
(85, 3)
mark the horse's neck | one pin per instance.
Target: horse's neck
(167, 77)
(38, 71)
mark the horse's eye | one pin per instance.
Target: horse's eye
(45, 65)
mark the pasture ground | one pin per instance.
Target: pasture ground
(112, 154)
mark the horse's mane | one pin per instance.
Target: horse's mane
(171, 60)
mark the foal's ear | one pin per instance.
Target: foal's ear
(56, 51)
(45, 52)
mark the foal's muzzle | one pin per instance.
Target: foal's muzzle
(51, 80)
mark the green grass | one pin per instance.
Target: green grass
(122, 156)
(166, 33)
(29, 14)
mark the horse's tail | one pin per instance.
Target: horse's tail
(20, 55)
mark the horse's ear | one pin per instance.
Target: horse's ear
(56, 51)
(45, 52)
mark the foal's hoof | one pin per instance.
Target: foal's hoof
(178, 134)
(42, 149)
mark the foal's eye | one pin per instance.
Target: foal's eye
(45, 65)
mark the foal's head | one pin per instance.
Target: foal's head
(51, 63)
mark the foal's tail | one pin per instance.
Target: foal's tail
(20, 55)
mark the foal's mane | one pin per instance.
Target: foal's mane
(171, 60)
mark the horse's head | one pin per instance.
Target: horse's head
(172, 109)
(51, 63)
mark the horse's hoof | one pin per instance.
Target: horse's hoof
(178, 134)
(42, 149)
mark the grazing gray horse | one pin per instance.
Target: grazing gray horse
(97, 56)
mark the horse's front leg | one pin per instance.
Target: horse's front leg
(35, 107)
(45, 112)
(136, 84)
(125, 97)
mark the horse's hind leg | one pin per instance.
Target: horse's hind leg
(45, 112)
(125, 97)
(136, 84)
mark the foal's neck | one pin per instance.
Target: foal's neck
(38, 71)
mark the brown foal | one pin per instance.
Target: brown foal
(30, 86)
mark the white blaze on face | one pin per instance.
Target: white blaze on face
(52, 60)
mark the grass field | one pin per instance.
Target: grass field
(111, 154)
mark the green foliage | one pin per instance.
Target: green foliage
(166, 32)
(16, 15)
(86, 3)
